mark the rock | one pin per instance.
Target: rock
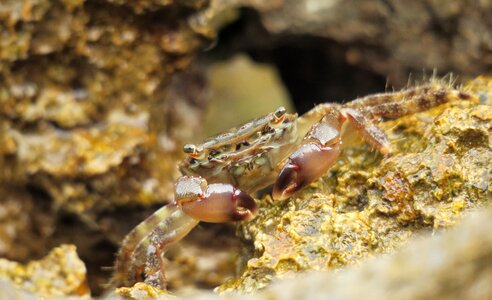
(368, 205)
(92, 119)
(60, 273)
(384, 223)
(391, 38)
(456, 264)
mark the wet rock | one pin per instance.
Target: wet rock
(368, 205)
(140, 291)
(75, 69)
(456, 264)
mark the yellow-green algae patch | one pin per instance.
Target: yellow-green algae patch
(368, 204)
(78, 76)
(60, 273)
(141, 291)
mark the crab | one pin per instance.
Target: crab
(221, 175)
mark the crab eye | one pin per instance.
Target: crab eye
(279, 114)
(189, 148)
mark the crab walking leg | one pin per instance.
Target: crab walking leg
(371, 133)
(307, 120)
(147, 264)
(131, 259)
(141, 255)
(319, 149)
(318, 152)
(362, 112)
(393, 97)
(407, 102)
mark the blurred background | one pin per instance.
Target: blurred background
(97, 98)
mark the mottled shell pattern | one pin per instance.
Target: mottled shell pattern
(247, 156)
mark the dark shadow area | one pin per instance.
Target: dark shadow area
(313, 69)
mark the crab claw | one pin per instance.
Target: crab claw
(304, 166)
(214, 203)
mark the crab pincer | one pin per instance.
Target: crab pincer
(318, 152)
(214, 203)
(140, 257)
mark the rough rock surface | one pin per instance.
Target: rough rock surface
(448, 265)
(60, 273)
(97, 96)
(83, 98)
(392, 37)
(92, 118)
(368, 205)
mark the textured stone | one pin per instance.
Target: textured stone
(92, 118)
(456, 264)
(393, 38)
(60, 273)
(369, 205)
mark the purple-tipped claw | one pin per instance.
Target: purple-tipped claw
(305, 165)
(221, 203)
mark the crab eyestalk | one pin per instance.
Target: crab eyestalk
(190, 149)
(279, 114)
(214, 203)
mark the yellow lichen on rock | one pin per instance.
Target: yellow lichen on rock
(455, 264)
(142, 291)
(60, 273)
(83, 153)
(482, 87)
(369, 204)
